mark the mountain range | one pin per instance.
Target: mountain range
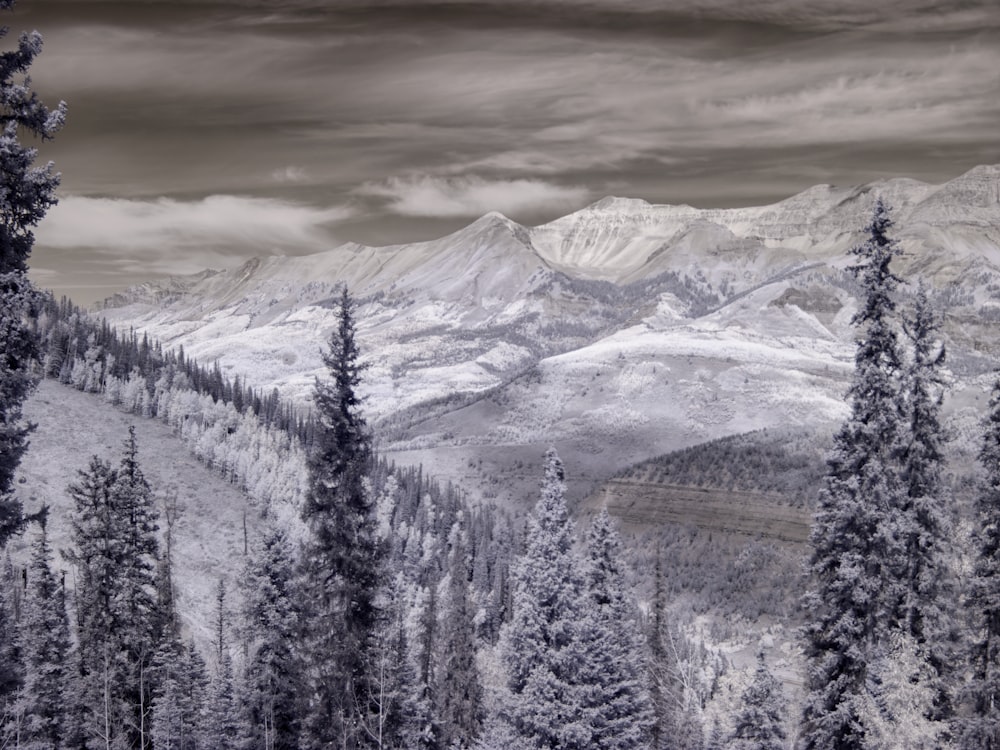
(617, 333)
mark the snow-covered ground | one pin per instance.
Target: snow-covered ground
(500, 338)
(208, 537)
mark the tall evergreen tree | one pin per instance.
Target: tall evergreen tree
(458, 689)
(45, 646)
(96, 554)
(136, 590)
(11, 666)
(342, 556)
(981, 729)
(929, 589)
(26, 193)
(540, 644)
(618, 698)
(759, 724)
(857, 543)
(221, 727)
(114, 550)
(269, 623)
(180, 696)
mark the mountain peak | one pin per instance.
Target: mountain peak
(617, 204)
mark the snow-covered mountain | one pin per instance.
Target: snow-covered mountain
(619, 332)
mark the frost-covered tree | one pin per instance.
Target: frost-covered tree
(929, 602)
(26, 193)
(759, 723)
(11, 664)
(221, 721)
(898, 709)
(342, 556)
(269, 624)
(540, 646)
(612, 665)
(180, 695)
(980, 730)
(100, 710)
(114, 551)
(18, 350)
(458, 690)
(857, 543)
(45, 645)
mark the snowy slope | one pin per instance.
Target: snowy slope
(208, 535)
(618, 332)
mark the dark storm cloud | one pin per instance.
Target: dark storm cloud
(422, 110)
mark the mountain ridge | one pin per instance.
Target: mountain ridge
(618, 332)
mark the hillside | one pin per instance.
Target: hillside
(209, 533)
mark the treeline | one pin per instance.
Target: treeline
(95, 357)
(252, 438)
(784, 463)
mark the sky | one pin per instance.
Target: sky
(202, 133)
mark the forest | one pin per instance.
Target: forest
(383, 610)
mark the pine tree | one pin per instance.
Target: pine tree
(929, 589)
(220, 723)
(540, 644)
(269, 624)
(981, 729)
(26, 193)
(458, 690)
(759, 724)
(618, 699)
(899, 707)
(136, 590)
(180, 695)
(114, 525)
(45, 646)
(96, 553)
(342, 557)
(856, 537)
(11, 664)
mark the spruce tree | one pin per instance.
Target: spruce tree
(929, 589)
(458, 690)
(759, 724)
(342, 557)
(136, 590)
(269, 625)
(857, 535)
(981, 728)
(221, 722)
(26, 193)
(541, 643)
(618, 701)
(114, 551)
(180, 696)
(45, 646)
(11, 665)
(100, 712)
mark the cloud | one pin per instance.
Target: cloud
(135, 227)
(290, 174)
(473, 196)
